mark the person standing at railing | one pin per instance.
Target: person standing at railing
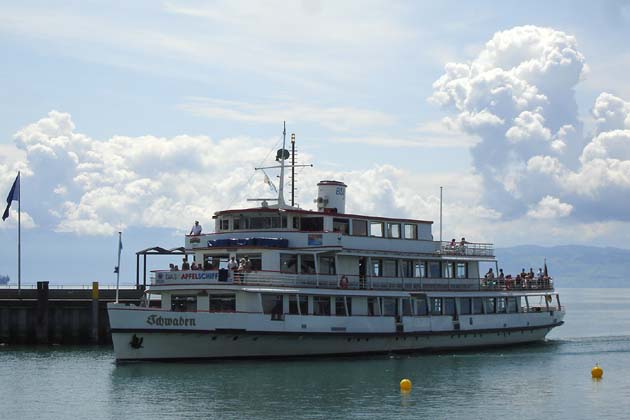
(196, 229)
(462, 246)
(232, 267)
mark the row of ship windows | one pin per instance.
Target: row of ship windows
(378, 267)
(342, 305)
(360, 227)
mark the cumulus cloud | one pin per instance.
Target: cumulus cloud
(549, 208)
(517, 96)
(96, 187)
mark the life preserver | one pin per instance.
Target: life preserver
(343, 282)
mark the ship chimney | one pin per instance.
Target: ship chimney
(331, 197)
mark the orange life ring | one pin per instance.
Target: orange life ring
(343, 282)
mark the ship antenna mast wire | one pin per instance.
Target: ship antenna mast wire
(281, 203)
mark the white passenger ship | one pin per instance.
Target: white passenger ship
(327, 282)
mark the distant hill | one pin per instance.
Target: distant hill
(571, 265)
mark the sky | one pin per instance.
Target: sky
(144, 116)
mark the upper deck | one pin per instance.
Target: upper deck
(202, 278)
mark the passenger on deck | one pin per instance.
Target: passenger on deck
(462, 246)
(196, 229)
(248, 265)
(232, 264)
(194, 266)
(172, 267)
(540, 274)
(207, 265)
(501, 275)
(530, 275)
(185, 265)
(453, 245)
(490, 275)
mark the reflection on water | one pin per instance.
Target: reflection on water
(548, 379)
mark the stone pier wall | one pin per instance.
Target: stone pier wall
(58, 316)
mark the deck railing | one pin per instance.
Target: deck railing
(341, 281)
(468, 249)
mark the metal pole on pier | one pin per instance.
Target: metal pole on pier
(118, 266)
(19, 238)
(14, 195)
(440, 215)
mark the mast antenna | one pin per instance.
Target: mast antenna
(292, 169)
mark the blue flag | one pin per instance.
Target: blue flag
(14, 195)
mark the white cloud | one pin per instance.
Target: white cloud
(532, 147)
(549, 208)
(336, 118)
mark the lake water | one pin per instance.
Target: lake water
(544, 380)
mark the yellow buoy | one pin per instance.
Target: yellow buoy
(405, 385)
(597, 372)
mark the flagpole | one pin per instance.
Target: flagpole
(118, 266)
(19, 241)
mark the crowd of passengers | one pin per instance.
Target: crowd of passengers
(234, 268)
(522, 279)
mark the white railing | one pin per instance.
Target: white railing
(467, 249)
(342, 281)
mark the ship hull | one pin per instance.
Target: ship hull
(189, 342)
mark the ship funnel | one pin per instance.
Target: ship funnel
(331, 197)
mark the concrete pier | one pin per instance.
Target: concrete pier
(59, 316)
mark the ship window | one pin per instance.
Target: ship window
(406, 307)
(421, 306)
(393, 230)
(225, 224)
(341, 225)
(436, 306)
(464, 306)
(373, 307)
(500, 305)
(184, 303)
(340, 306)
(327, 265)
(377, 267)
(321, 305)
(236, 224)
(296, 222)
(447, 270)
(349, 305)
(421, 269)
(514, 304)
(307, 264)
(288, 263)
(389, 306)
(312, 224)
(477, 307)
(411, 231)
(489, 305)
(449, 306)
(272, 304)
(303, 301)
(294, 300)
(389, 268)
(407, 268)
(460, 271)
(222, 303)
(434, 269)
(359, 227)
(376, 229)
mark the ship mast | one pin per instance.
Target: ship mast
(281, 156)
